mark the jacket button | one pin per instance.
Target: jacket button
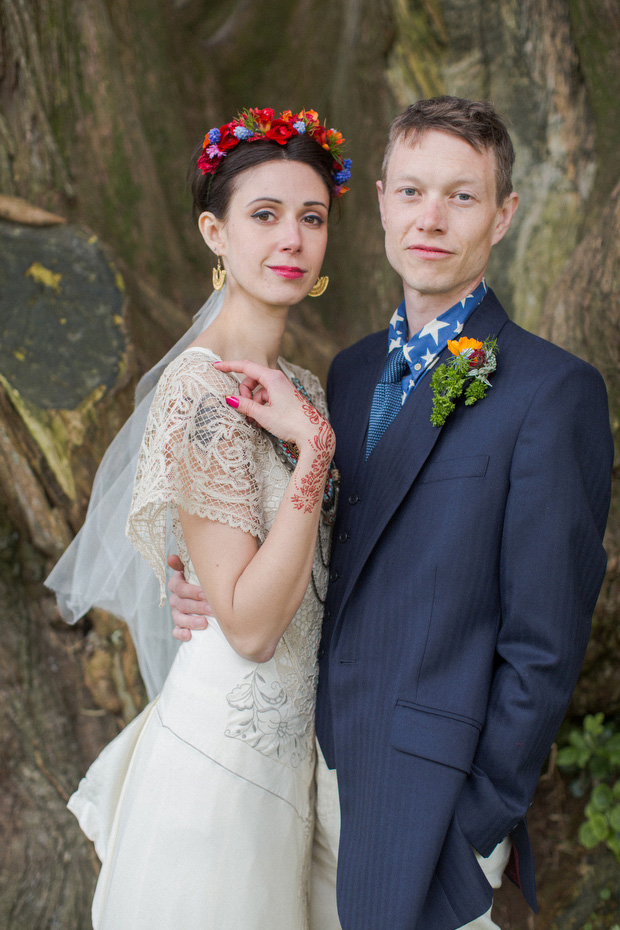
(353, 498)
(334, 576)
(343, 536)
(327, 614)
(320, 653)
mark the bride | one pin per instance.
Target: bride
(202, 809)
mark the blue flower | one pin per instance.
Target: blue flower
(214, 135)
(341, 176)
(242, 133)
(300, 127)
(348, 164)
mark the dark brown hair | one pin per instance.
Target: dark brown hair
(475, 121)
(212, 192)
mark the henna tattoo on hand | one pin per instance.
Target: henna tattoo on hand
(310, 485)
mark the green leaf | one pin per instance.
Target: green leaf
(567, 757)
(593, 723)
(602, 797)
(587, 836)
(599, 767)
(613, 743)
(614, 818)
(613, 843)
(583, 757)
(576, 738)
(599, 825)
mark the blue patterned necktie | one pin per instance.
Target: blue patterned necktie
(388, 397)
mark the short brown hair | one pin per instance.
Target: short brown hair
(475, 121)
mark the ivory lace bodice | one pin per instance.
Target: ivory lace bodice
(202, 455)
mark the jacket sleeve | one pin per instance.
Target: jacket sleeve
(551, 568)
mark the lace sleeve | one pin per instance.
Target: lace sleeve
(197, 453)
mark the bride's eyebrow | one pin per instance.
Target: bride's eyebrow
(307, 203)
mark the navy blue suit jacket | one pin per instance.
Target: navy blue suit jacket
(466, 564)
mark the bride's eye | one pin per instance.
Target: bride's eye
(263, 215)
(313, 220)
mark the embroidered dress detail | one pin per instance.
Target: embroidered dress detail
(202, 455)
(224, 756)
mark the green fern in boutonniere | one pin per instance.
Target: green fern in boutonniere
(467, 372)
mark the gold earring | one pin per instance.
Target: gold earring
(320, 287)
(219, 276)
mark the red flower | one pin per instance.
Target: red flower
(208, 166)
(280, 132)
(477, 358)
(263, 117)
(320, 135)
(227, 139)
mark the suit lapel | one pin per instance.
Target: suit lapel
(400, 454)
(352, 423)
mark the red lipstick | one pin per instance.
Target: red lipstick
(288, 271)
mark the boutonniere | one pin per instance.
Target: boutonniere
(466, 372)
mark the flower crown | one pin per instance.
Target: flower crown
(253, 124)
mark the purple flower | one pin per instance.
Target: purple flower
(214, 135)
(213, 151)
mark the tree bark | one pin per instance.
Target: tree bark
(101, 105)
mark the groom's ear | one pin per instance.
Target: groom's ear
(381, 203)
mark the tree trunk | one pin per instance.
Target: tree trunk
(101, 105)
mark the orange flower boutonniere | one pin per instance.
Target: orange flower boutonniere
(466, 372)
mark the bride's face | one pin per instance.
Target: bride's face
(273, 240)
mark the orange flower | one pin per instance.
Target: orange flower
(335, 137)
(456, 347)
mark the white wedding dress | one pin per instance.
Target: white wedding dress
(201, 810)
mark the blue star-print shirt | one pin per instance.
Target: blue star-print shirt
(422, 349)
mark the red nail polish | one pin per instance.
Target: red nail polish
(232, 402)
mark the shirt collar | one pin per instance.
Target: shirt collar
(422, 349)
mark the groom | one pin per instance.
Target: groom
(467, 555)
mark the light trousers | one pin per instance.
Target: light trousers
(323, 912)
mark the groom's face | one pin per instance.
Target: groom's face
(440, 214)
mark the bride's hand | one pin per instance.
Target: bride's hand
(269, 398)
